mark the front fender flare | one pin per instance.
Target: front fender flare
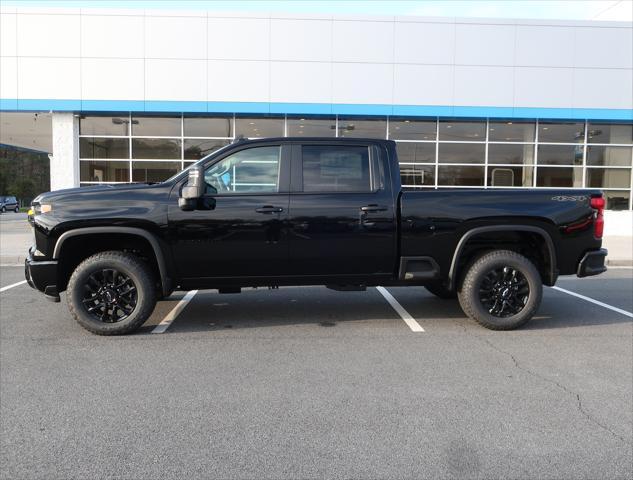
(153, 241)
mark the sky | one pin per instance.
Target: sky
(620, 10)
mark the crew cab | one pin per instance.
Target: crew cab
(307, 211)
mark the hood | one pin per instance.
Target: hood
(93, 189)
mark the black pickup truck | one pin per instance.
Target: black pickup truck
(307, 211)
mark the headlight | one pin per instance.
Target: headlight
(42, 208)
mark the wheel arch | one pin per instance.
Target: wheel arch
(133, 231)
(508, 228)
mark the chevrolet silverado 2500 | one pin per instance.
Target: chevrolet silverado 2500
(307, 211)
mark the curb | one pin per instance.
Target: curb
(620, 262)
(12, 260)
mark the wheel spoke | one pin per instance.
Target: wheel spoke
(504, 291)
(109, 296)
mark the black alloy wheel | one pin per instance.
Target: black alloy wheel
(504, 292)
(501, 290)
(109, 295)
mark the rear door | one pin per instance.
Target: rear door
(342, 214)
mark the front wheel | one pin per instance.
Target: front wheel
(111, 293)
(501, 290)
(3, 209)
(17, 210)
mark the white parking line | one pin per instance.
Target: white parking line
(408, 319)
(3, 289)
(171, 316)
(591, 300)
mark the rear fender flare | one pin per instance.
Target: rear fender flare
(503, 228)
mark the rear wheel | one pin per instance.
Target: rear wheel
(111, 293)
(501, 290)
(17, 209)
(4, 209)
(439, 290)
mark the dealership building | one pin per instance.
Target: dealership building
(120, 96)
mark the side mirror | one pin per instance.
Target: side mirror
(193, 190)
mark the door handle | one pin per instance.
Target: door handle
(268, 209)
(373, 208)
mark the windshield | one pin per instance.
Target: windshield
(202, 160)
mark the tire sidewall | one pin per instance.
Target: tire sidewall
(137, 275)
(475, 276)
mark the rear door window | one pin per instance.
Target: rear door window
(339, 168)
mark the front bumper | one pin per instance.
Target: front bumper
(42, 275)
(592, 263)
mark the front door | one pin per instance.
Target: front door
(240, 227)
(342, 213)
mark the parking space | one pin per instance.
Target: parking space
(308, 382)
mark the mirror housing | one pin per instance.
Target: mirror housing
(193, 190)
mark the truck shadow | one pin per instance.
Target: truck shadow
(318, 306)
(288, 307)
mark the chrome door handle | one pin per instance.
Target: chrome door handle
(268, 209)
(373, 208)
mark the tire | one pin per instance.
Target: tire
(4, 209)
(93, 285)
(439, 290)
(500, 279)
(17, 210)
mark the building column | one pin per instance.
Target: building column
(65, 158)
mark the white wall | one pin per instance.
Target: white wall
(618, 223)
(89, 54)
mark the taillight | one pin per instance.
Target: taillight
(598, 204)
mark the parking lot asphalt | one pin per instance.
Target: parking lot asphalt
(311, 383)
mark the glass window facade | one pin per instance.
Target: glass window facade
(311, 126)
(433, 153)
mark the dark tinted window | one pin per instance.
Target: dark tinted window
(154, 171)
(156, 126)
(462, 131)
(359, 128)
(561, 132)
(414, 152)
(560, 154)
(102, 171)
(405, 129)
(312, 127)
(208, 127)
(462, 176)
(259, 127)
(605, 133)
(156, 148)
(609, 156)
(511, 132)
(195, 149)
(462, 153)
(508, 153)
(559, 177)
(90, 147)
(337, 169)
(117, 125)
(417, 175)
